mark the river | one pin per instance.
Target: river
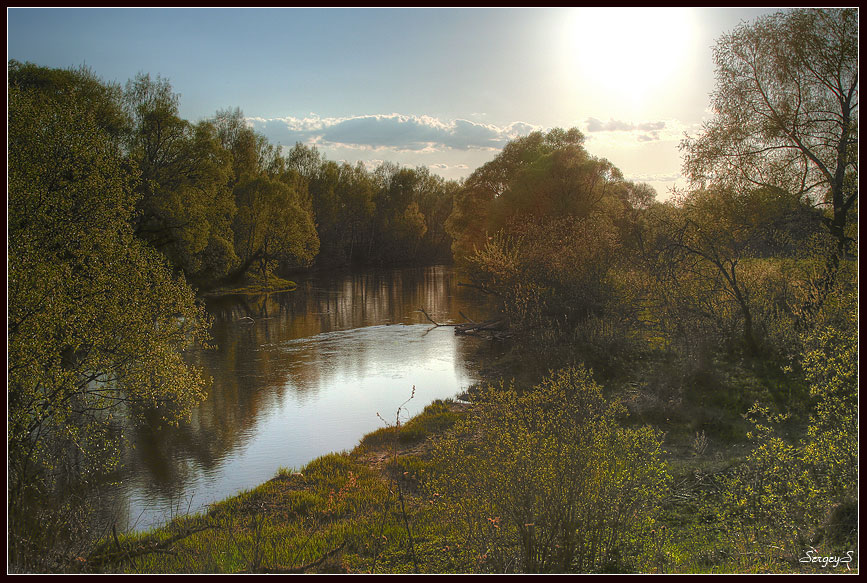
(300, 374)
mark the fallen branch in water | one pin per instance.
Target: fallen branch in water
(464, 316)
(481, 288)
(497, 328)
(472, 327)
(432, 321)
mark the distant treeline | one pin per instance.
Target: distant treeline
(218, 200)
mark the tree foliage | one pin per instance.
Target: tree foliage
(272, 225)
(549, 481)
(97, 323)
(185, 206)
(785, 111)
(542, 226)
(703, 248)
(788, 497)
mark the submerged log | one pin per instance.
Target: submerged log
(473, 327)
(496, 328)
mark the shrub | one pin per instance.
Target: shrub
(548, 481)
(786, 499)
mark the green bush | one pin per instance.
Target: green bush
(786, 499)
(548, 481)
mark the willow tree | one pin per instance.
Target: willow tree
(97, 324)
(272, 225)
(785, 114)
(185, 207)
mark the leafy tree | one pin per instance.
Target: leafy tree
(97, 324)
(548, 481)
(704, 240)
(785, 114)
(251, 152)
(186, 206)
(550, 274)
(469, 224)
(545, 234)
(400, 224)
(272, 225)
(81, 85)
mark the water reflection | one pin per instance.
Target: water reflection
(300, 374)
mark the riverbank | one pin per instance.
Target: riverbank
(254, 284)
(372, 510)
(360, 511)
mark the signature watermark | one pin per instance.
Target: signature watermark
(827, 561)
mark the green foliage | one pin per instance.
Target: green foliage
(185, 204)
(523, 163)
(97, 323)
(785, 110)
(542, 226)
(704, 251)
(272, 225)
(74, 86)
(786, 498)
(551, 275)
(548, 481)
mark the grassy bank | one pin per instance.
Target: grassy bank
(362, 511)
(254, 283)
(372, 510)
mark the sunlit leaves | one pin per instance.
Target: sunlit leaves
(547, 481)
(785, 110)
(96, 321)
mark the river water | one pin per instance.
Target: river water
(300, 374)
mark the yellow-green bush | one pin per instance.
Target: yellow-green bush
(548, 481)
(789, 498)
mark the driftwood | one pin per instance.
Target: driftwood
(494, 327)
(481, 288)
(473, 327)
(432, 321)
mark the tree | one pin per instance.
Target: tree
(272, 225)
(542, 226)
(97, 324)
(785, 114)
(81, 85)
(709, 250)
(185, 205)
(469, 223)
(400, 224)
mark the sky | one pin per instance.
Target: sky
(441, 88)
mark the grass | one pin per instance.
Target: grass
(255, 284)
(342, 513)
(436, 418)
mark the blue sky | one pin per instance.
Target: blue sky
(443, 88)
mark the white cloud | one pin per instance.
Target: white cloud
(653, 177)
(393, 131)
(646, 131)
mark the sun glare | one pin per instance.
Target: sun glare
(628, 54)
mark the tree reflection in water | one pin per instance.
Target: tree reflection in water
(299, 374)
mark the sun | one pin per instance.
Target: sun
(629, 54)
